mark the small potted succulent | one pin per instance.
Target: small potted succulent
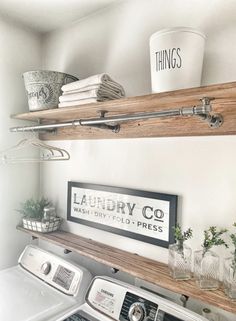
(180, 254)
(39, 215)
(229, 275)
(206, 262)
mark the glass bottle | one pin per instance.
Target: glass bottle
(206, 269)
(229, 277)
(180, 256)
(49, 213)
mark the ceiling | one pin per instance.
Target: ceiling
(46, 15)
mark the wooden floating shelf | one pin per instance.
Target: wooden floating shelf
(137, 266)
(224, 104)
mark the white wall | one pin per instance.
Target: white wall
(20, 51)
(201, 170)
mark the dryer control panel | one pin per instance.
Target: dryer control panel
(136, 308)
(116, 301)
(124, 302)
(52, 269)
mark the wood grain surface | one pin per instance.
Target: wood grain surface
(224, 103)
(136, 265)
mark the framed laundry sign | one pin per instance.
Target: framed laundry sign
(141, 215)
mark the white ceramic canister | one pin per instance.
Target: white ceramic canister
(176, 56)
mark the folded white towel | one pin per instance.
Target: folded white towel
(77, 102)
(91, 81)
(107, 85)
(94, 93)
(80, 90)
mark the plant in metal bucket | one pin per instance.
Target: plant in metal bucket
(39, 215)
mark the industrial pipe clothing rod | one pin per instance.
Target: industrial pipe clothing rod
(98, 121)
(113, 121)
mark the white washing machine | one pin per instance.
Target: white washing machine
(108, 300)
(42, 287)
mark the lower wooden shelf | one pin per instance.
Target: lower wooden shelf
(136, 265)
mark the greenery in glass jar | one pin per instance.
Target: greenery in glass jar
(212, 237)
(233, 239)
(33, 209)
(181, 236)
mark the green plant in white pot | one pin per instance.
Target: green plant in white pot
(36, 215)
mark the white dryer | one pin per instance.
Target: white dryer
(108, 300)
(42, 287)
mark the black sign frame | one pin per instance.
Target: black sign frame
(172, 199)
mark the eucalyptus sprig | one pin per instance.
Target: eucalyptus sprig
(180, 235)
(212, 237)
(233, 239)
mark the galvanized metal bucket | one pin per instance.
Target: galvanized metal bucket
(43, 88)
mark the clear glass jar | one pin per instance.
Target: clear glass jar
(229, 277)
(180, 257)
(206, 269)
(49, 213)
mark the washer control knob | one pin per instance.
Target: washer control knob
(137, 312)
(46, 268)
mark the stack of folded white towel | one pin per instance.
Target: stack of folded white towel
(92, 89)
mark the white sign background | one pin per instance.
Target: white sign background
(145, 216)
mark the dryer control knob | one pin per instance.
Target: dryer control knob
(46, 268)
(137, 312)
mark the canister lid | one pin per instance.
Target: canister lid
(176, 29)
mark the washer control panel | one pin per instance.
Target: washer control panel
(136, 308)
(52, 269)
(46, 267)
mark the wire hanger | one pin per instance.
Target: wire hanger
(46, 152)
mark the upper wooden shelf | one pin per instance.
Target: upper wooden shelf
(224, 103)
(137, 266)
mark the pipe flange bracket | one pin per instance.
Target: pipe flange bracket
(215, 121)
(116, 128)
(66, 251)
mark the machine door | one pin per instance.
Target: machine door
(80, 316)
(24, 297)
